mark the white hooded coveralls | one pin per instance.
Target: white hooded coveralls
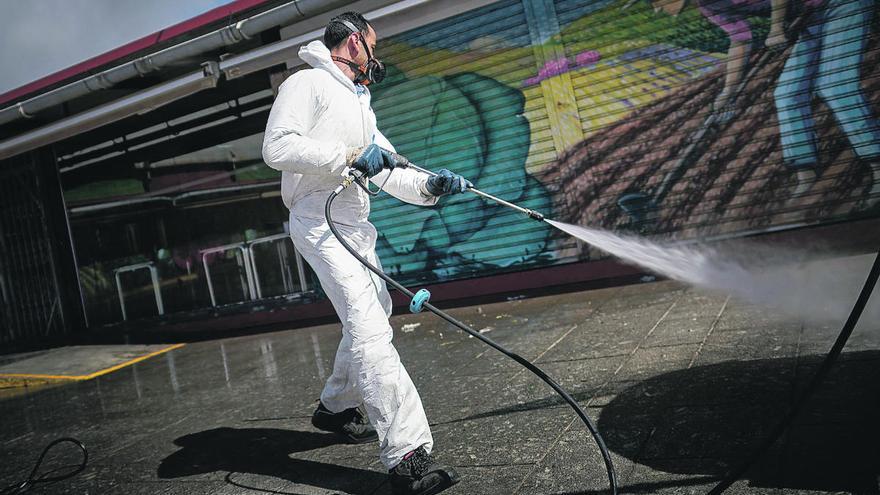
(318, 114)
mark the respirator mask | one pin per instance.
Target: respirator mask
(373, 70)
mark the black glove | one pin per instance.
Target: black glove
(446, 182)
(372, 159)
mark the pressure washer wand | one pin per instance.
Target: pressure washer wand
(531, 213)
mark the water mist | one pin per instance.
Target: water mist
(809, 285)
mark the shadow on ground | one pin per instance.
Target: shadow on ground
(706, 420)
(265, 452)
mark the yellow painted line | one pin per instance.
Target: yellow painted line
(133, 361)
(92, 375)
(42, 377)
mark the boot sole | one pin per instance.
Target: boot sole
(450, 478)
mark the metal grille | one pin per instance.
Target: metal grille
(467, 103)
(29, 295)
(652, 160)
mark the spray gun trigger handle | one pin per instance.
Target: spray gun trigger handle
(399, 160)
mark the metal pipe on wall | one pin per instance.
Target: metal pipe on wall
(284, 50)
(233, 67)
(137, 103)
(294, 11)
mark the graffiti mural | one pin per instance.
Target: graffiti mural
(473, 125)
(674, 118)
(685, 118)
(452, 100)
(766, 141)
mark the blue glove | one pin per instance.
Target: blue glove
(446, 182)
(371, 159)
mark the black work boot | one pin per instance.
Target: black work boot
(352, 424)
(419, 474)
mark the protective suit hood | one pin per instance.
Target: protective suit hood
(317, 55)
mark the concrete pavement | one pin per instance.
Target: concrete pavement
(682, 383)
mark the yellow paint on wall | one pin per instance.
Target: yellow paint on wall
(575, 104)
(562, 109)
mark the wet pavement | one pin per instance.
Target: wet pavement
(682, 383)
(76, 362)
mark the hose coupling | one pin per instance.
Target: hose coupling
(419, 300)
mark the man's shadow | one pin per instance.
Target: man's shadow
(709, 419)
(265, 451)
(706, 420)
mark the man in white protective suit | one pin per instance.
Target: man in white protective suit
(321, 127)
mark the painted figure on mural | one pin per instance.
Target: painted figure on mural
(825, 62)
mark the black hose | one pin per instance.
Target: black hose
(31, 480)
(829, 361)
(606, 456)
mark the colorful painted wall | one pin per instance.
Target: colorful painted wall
(685, 119)
(609, 113)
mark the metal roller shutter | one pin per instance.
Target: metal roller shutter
(458, 96)
(645, 82)
(30, 298)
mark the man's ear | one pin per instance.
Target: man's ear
(353, 45)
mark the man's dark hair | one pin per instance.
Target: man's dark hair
(336, 32)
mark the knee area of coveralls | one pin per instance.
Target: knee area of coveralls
(375, 360)
(366, 321)
(365, 312)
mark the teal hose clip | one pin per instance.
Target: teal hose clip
(419, 300)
